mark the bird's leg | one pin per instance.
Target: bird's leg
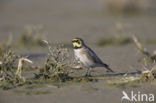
(88, 72)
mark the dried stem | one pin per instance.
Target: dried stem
(20, 65)
(140, 47)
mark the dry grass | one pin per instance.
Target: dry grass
(3, 48)
(119, 40)
(149, 57)
(128, 81)
(113, 41)
(125, 6)
(119, 37)
(32, 36)
(20, 66)
(57, 67)
(125, 82)
(7, 75)
(56, 63)
(147, 75)
(57, 70)
(7, 59)
(8, 78)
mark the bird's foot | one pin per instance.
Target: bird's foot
(88, 75)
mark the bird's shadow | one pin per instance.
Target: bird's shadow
(116, 74)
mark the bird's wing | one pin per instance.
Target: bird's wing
(96, 59)
(87, 53)
(91, 55)
(94, 56)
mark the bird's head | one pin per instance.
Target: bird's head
(77, 43)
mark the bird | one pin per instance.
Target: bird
(86, 56)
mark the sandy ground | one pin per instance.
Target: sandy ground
(64, 20)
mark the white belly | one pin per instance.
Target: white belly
(83, 58)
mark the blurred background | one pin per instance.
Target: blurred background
(63, 20)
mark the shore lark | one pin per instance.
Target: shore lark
(86, 56)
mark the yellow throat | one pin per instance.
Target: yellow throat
(77, 42)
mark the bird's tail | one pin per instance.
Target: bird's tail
(108, 68)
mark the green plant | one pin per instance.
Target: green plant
(8, 78)
(57, 67)
(7, 59)
(56, 64)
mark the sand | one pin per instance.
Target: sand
(64, 20)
